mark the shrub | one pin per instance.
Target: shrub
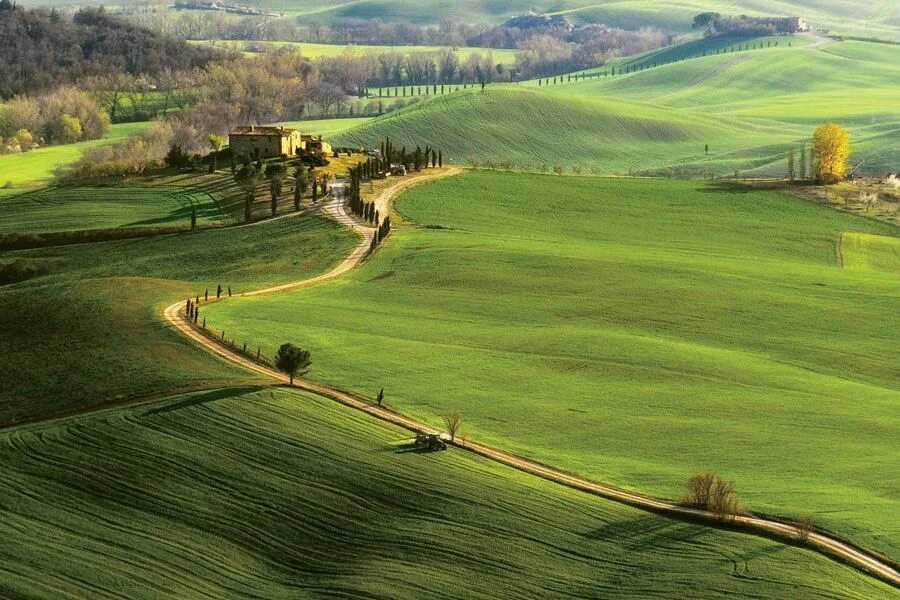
(16, 271)
(711, 492)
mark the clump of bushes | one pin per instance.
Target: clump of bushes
(16, 271)
(65, 116)
(710, 491)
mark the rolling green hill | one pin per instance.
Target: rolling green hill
(65, 209)
(87, 328)
(866, 17)
(524, 127)
(749, 107)
(636, 331)
(280, 494)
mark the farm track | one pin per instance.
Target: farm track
(823, 543)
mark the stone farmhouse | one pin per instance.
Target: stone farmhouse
(256, 142)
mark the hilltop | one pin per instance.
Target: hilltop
(749, 107)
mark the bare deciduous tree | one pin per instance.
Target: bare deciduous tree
(453, 421)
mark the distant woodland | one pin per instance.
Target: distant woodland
(43, 49)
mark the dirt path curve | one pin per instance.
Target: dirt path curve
(335, 208)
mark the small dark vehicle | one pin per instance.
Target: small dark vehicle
(430, 441)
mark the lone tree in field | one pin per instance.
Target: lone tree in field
(215, 144)
(292, 361)
(831, 145)
(248, 179)
(711, 492)
(452, 421)
(275, 175)
(380, 397)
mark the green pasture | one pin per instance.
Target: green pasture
(524, 127)
(88, 330)
(868, 252)
(65, 209)
(635, 331)
(37, 167)
(327, 128)
(279, 494)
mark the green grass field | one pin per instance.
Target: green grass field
(38, 166)
(748, 107)
(867, 252)
(280, 494)
(65, 209)
(635, 331)
(326, 127)
(88, 329)
(525, 127)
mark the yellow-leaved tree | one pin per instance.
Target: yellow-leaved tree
(831, 146)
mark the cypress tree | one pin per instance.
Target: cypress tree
(206, 295)
(440, 158)
(802, 161)
(791, 164)
(218, 291)
(315, 191)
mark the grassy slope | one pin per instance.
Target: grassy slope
(528, 127)
(749, 107)
(326, 127)
(38, 166)
(282, 494)
(89, 329)
(632, 330)
(867, 252)
(63, 209)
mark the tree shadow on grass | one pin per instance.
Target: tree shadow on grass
(205, 398)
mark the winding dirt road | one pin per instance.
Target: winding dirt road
(336, 210)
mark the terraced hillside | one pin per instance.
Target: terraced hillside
(747, 107)
(86, 330)
(635, 331)
(273, 493)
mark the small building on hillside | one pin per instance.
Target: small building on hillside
(255, 142)
(316, 145)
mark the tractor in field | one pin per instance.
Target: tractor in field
(430, 441)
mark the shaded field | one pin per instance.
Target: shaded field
(275, 493)
(66, 209)
(88, 330)
(634, 331)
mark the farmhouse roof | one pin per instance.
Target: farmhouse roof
(264, 131)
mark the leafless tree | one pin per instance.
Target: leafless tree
(453, 422)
